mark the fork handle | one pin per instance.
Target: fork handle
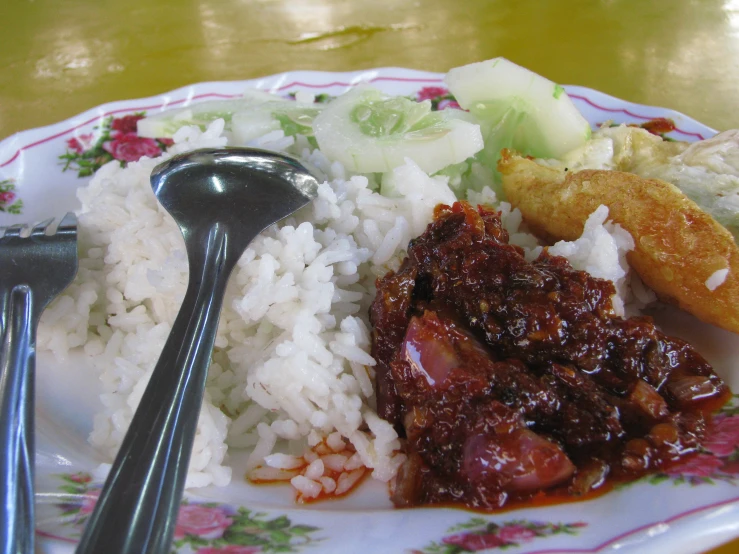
(137, 509)
(17, 368)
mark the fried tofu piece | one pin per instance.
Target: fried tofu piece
(678, 246)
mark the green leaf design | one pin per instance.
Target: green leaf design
(469, 524)
(324, 98)
(243, 539)
(280, 537)
(658, 478)
(15, 208)
(278, 523)
(731, 408)
(72, 489)
(303, 529)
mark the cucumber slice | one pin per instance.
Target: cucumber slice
(518, 109)
(369, 131)
(294, 118)
(166, 123)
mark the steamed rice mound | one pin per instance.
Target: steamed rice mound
(291, 379)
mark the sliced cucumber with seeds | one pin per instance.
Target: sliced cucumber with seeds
(166, 123)
(518, 109)
(294, 118)
(369, 131)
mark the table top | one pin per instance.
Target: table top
(60, 58)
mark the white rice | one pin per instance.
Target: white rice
(601, 251)
(291, 376)
(717, 279)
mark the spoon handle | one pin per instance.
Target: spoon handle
(17, 367)
(137, 509)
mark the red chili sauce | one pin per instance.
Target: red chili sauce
(659, 126)
(513, 381)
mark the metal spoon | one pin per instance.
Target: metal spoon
(221, 200)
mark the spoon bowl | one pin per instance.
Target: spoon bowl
(243, 189)
(221, 199)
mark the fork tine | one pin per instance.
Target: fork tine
(14, 230)
(40, 228)
(68, 223)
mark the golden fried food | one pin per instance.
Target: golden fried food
(677, 245)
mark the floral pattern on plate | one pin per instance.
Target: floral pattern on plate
(718, 458)
(202, 527)
(479, 534)
(9, 201)
(115, 139)
(440, 97)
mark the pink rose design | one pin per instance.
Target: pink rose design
(126, 124)
(230, 549)
(724, 438)
(80, 144)
(516, 533)
(129, 147)
(6, 197)
(474, 542)
(201, 521)
(731, 468)
(89, 501)
(75, 144)
(429, 93)
(700, 465)
(445, 104)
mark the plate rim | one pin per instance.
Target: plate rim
(354, 78)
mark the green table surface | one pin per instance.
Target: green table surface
(58, 58)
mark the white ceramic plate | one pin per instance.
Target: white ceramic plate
(689, 511)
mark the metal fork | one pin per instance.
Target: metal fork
(34, 268)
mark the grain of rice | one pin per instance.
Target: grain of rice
(265, 444)
(269, 474)
(335, 442)
(307, 487)
(283, 461)
(329, 485)
(314, 470)
(716, 279)
(334, 462)
(348, 480)
(310, 456)
(354, 462)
